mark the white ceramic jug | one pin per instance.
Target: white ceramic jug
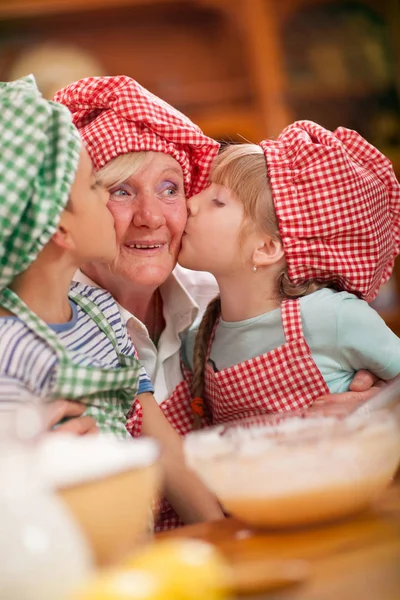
(43, 555)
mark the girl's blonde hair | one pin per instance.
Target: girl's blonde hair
(243, 170)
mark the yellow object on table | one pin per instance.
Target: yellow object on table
(124, 584)
(170, 570)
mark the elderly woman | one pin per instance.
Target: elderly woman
(151, 158)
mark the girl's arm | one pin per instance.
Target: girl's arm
(365, 344)
(185, 492)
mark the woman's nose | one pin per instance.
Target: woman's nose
(148, 212)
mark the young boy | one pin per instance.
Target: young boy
(58, 341)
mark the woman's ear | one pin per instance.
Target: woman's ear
(268, 252)
(62, 236)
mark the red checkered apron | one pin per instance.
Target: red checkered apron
(281, 380)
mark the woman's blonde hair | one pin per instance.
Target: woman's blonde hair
(121, 168)
(243, 170)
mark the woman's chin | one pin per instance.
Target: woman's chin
(150, 275)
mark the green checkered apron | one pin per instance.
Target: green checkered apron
(108, 392)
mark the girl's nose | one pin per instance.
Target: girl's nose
(192, 205)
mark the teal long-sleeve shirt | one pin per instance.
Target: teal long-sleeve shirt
(343, 332)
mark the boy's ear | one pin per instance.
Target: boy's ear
(268, 252)
(62, 236)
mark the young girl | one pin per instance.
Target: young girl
(57, 341)
(300, 233)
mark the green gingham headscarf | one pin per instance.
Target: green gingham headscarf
(39, 154)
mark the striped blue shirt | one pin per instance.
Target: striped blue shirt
(27, 363)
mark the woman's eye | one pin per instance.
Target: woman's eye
(169, 191)
(218, 202)
(119, 193)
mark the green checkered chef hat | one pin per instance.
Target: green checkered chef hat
(39, 154)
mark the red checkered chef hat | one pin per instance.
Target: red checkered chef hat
(116, 115)
(338, 206)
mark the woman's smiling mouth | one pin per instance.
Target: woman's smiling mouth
(150, 249)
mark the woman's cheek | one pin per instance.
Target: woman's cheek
(122, 216)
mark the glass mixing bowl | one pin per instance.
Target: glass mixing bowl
(295, 469)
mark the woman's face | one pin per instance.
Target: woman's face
(149, 211)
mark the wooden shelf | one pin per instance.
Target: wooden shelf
(241, 124)
(17, 9)
(316, 92)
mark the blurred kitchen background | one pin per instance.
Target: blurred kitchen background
(241, 69)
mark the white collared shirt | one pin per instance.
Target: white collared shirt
(185, 296)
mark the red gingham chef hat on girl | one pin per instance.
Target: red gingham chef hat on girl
(338, 206)
(116, 115)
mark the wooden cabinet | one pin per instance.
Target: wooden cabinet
(242, 69)
(238, 67)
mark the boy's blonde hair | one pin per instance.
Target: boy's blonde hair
(243, 170)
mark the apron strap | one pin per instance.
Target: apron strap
(96, 315)
(291, 320)
(75, 380)
(14, 304)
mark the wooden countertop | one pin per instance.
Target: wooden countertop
(354, 559)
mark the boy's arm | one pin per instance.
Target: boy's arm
(184, 491)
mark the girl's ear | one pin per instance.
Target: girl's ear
(269, 252)
(62, 236)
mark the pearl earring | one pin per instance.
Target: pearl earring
(254, 268)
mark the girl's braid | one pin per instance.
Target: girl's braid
(211, 314)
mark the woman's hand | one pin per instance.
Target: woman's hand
(77, 424)
(362, 388)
